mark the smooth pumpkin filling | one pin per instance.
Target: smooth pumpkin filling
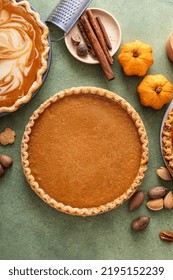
(20, 52)
(84, 151)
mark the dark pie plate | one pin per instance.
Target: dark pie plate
(44, 75)
(161, 130)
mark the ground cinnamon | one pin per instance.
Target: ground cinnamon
(99, 35)
(97, 48)
(105, 35)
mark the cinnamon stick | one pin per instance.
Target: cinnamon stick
(97, 48)
(105, 35)
(85, 37)
(99, 35)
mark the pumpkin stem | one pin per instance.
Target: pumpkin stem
(135, 53)
(158, 89)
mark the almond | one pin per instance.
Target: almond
(136, 200)
(140, 223)
(155, 204)
(168, 201)
(164, 174)
(157, 192)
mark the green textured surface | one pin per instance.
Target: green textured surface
(29, 228)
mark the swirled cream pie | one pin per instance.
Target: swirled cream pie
(85, 151)
(167, 141)
(23, 53)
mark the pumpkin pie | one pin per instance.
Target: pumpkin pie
(23, 53)
(167, 141)
(85, 151)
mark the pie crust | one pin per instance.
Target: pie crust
(48, 110)
(23, 53)
(167, 141)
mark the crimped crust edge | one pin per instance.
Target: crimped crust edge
(167, 141)
(144, 157)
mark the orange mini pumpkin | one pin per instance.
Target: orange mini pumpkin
(155, 91)
(136, 58)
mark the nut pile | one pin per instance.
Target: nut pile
(5, 162)
(6, 137)
(159, 198)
